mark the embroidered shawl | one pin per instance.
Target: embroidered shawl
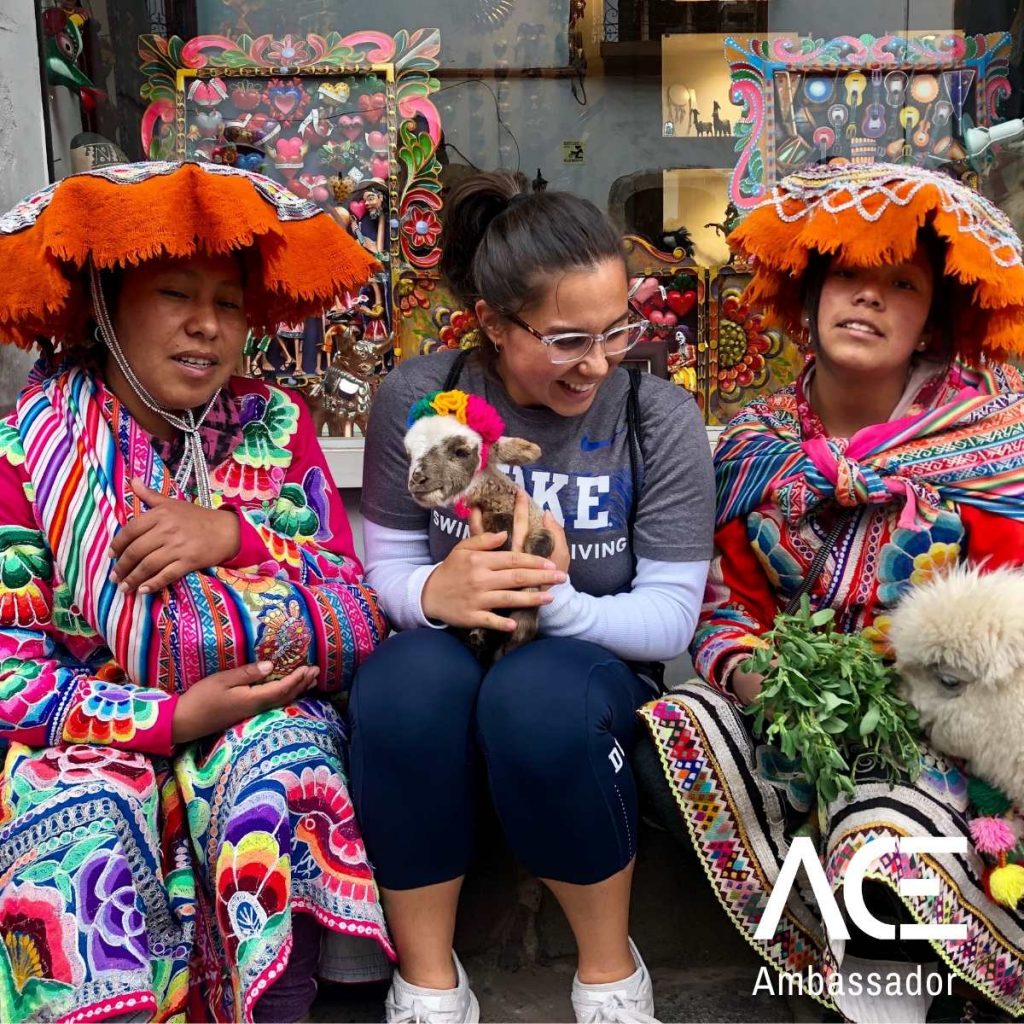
(967, 448)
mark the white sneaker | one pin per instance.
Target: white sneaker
(410, 1004)
(630, 1001)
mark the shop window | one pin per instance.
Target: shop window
(626, 21)
(94, 77)
(674, 115)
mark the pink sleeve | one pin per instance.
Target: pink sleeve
(303, 602)
(48, 694)
(252, 550)
(332, 554)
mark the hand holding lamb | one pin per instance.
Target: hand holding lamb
(455, 443)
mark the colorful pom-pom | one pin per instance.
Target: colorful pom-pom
(993, 836)
(1006, 884)
(471, 410)
(987, 799)
(484, 418)
(422, 407)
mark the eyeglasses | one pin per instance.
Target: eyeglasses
(571, 348)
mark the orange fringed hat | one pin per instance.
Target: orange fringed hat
(870, 215)
(125, 214)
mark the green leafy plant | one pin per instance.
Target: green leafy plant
(830, 699)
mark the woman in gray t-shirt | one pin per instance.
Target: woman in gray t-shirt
(554, 721)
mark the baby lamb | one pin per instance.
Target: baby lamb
(455, 443)
(959, 643)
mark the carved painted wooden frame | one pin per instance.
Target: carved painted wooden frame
(644, 260)
(754, 68)
(405, 63)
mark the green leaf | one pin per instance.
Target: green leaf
(828, 698)
(79, 853)
(870, 720)
(63, 881)
(831, 701)
(42, 871)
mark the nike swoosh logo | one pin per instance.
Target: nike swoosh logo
(592, 446)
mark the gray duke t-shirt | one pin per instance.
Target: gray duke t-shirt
(583, 475)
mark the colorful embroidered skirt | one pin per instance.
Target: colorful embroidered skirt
(742, 804)
(132, 885)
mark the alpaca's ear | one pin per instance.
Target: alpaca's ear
(514, 451)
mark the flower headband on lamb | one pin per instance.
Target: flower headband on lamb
(470, 410)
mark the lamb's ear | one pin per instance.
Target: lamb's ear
(514, 451)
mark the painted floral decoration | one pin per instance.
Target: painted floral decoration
(914, 556)
(457, 328)
(39, 940)
(253, 883)
(111, 914)
(413, 293)
(126, 771)
(781, 568)
(289, 50)
(878, 634)
(24, 686)
(422, 226)
(24, 560)
(745, 346)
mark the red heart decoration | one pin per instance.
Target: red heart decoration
(377, 141)
(209, 122)
(246, 97)
(317, 130)
(662, 318)
(373, 107)
(647, 288)
(310, 185)
(289, 152)
(357, 208)
(284, 98)
(207, 94)
(351, 126)
(263, 129)
(379, 166)
(681, 302)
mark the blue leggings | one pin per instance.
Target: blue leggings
(554, 721)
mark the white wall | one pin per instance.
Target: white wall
(828, 18)
(22, 143)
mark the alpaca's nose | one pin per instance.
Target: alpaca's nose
(417, 477)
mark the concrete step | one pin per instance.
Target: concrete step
(520, 955)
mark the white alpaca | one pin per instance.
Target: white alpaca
(959, 643)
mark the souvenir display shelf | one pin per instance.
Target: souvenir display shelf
(859, 100)
(347, 122)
